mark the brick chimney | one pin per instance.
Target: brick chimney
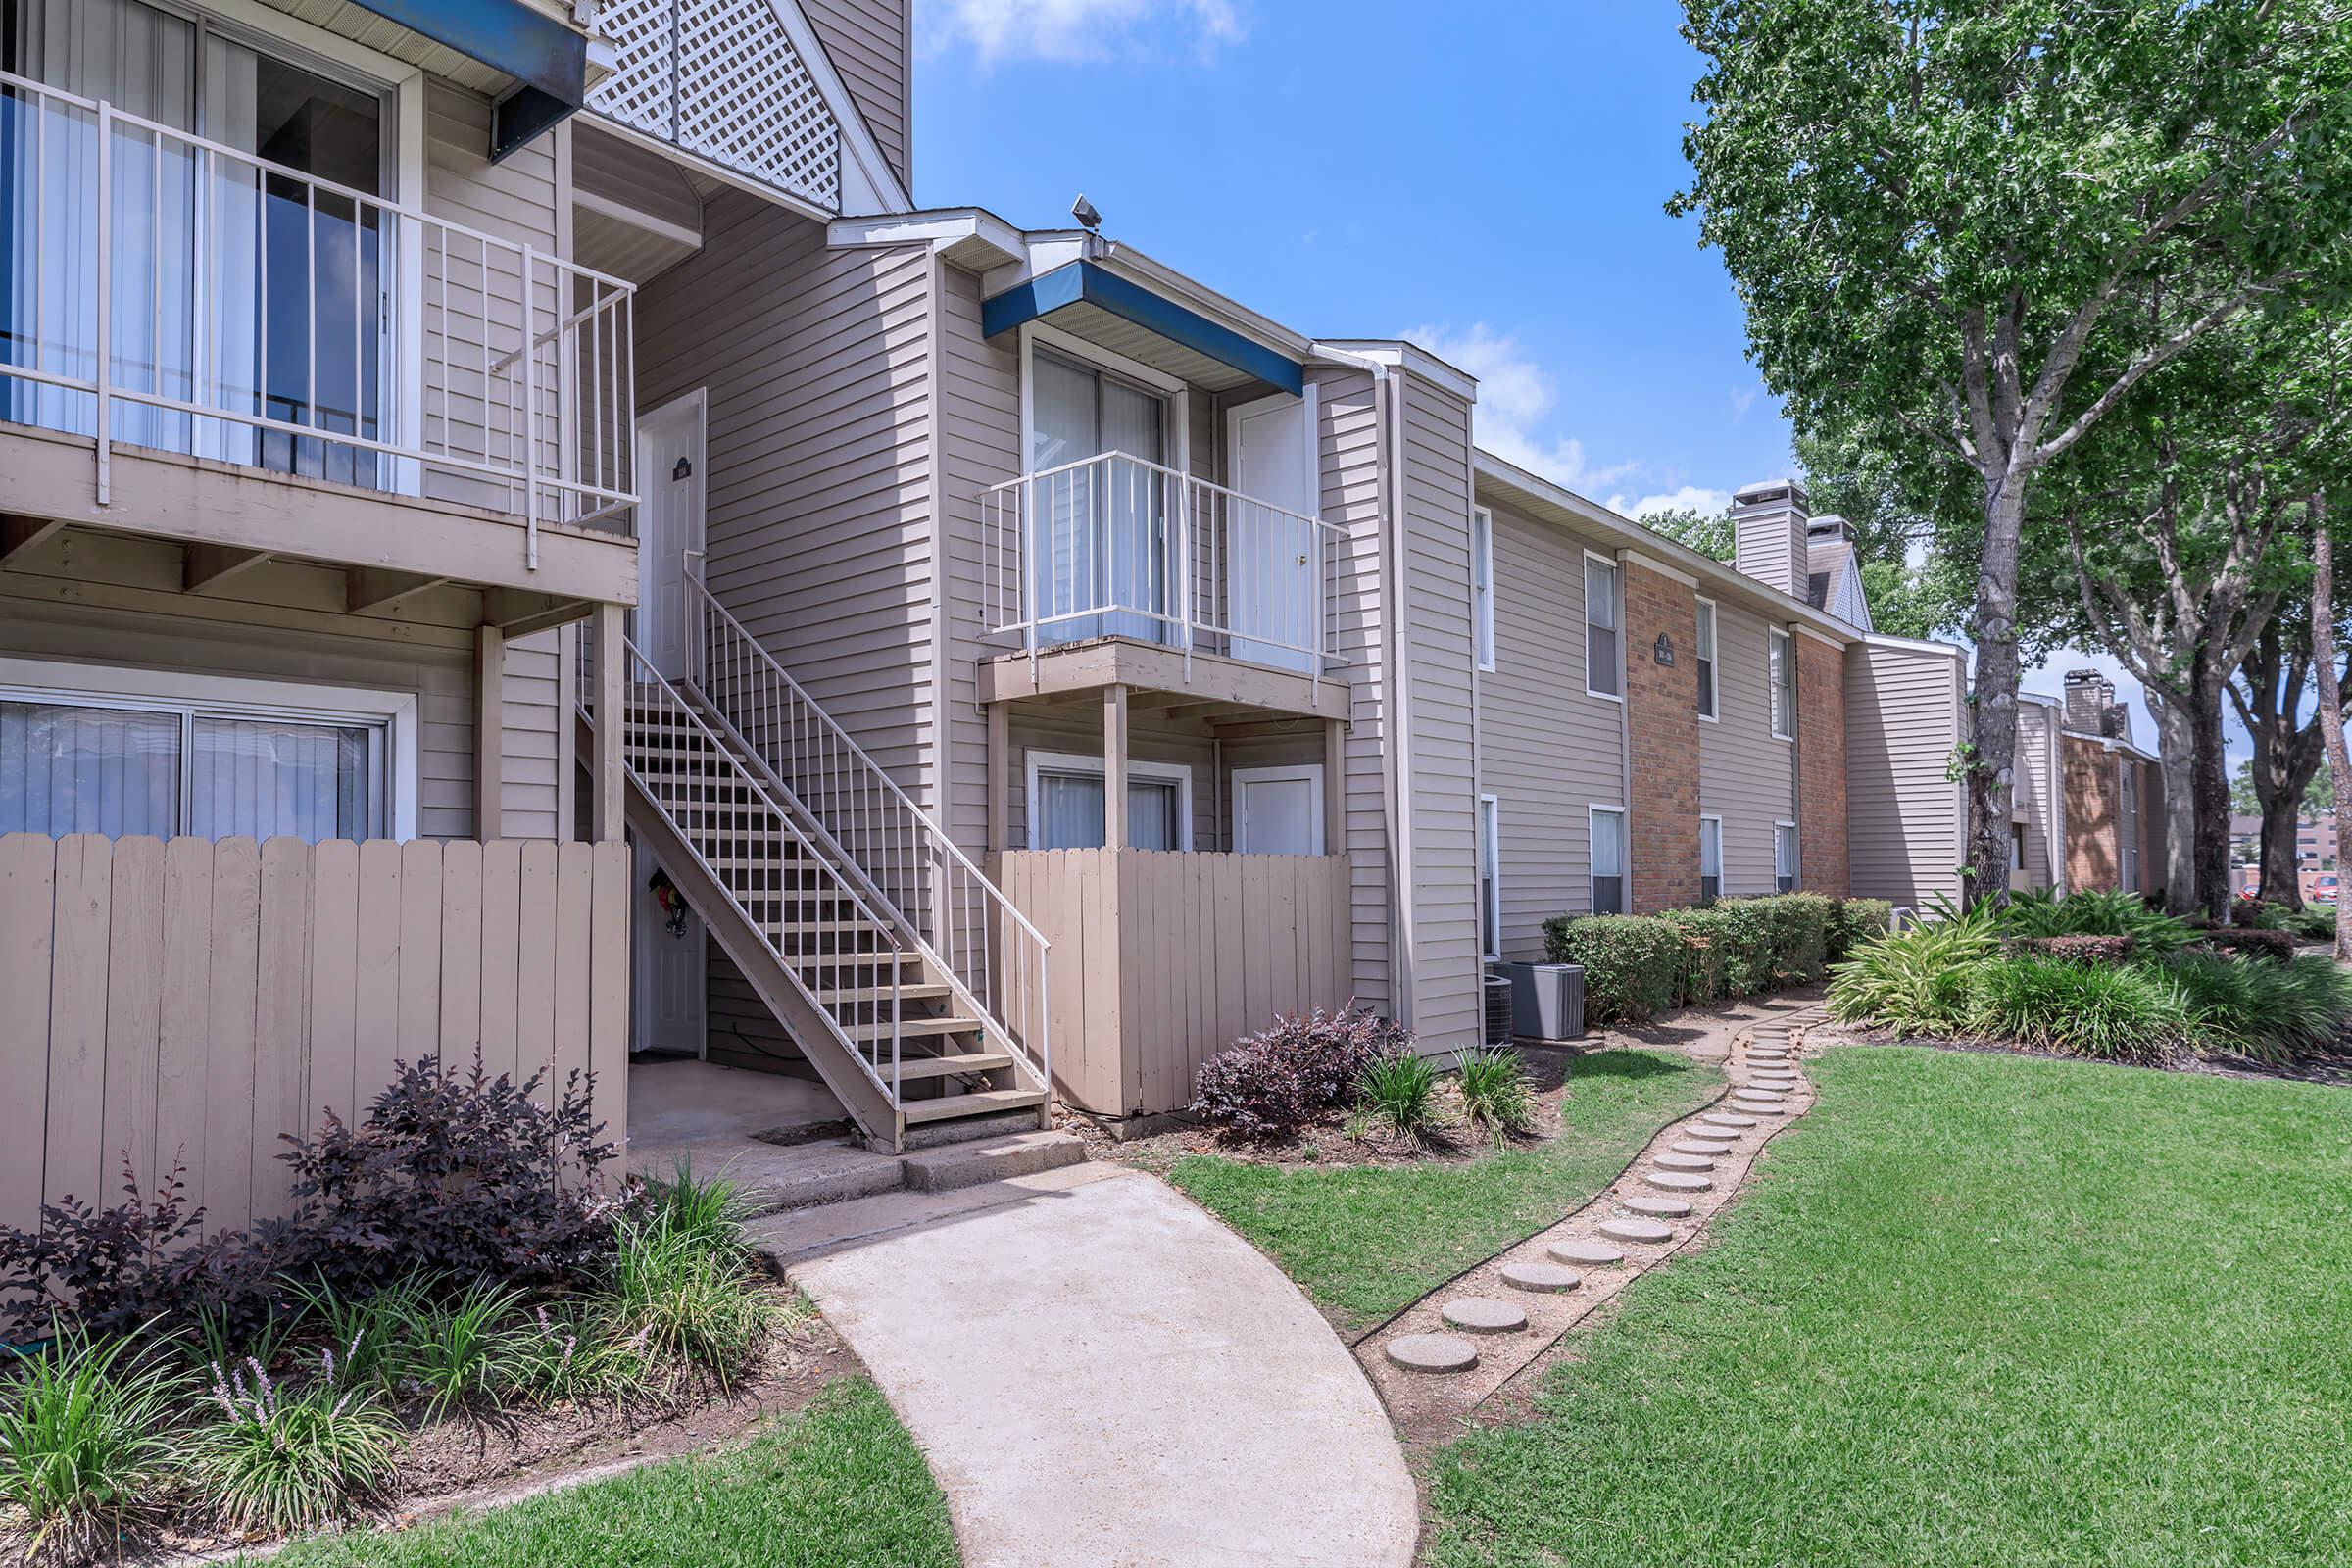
(2090, 705)
(1768, 533)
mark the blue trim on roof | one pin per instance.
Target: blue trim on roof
(1077, 281)
(548, 59)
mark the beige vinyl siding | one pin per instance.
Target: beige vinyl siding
(1438, 662)
(1348, 439)
(2036, 788)
(980, 445)
(1746, 775)
(1903, 814)
(439, 674)
(1077, 731)
(868, 43)
(1545, 750)
(818, 450)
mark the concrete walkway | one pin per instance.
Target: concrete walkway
(1103, 1377)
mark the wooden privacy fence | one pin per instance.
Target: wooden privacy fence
(1162, 958)
(206, 995)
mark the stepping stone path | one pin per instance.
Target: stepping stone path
(1499, 1317)
(1483, 1314)
(1548, 1278)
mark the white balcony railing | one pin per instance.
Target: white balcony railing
(1118, 546)
(165, 290)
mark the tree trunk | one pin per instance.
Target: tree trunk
(2332, 700)
(2176, 751)
(1992, 766)
(2281, 883)
(2210, 786)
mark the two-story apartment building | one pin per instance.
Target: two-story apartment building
(441, 442)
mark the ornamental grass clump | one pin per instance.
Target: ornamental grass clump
(282, 1459)
(2115, 1015)
(1400, 1088)
(682, 1289)
(1497, 1097)
(89, 1454)
(1917, 979)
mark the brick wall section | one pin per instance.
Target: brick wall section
(1822, 865)
(2092, 802)
(1661, 709)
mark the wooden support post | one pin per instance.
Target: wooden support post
(612, 720)
(1334, 787)
(1115, 767)
(1000, 777)
(489, 733)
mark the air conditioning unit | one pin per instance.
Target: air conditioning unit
(1547, 999)
(1498, 1010)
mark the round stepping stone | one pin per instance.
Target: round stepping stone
(1657, 1208)
(1548, 1278)
(1763, 1107)
(1636, 1230)
(1676, 1181)
(1673, 1160)
(1770, 1076)
(1761, 1094)
(1728, 1118)
(1700, 1145)
(1433, 1352)
(1483, 1314)
(1772, 1086)
(1767, 1055)
(1593, 1255)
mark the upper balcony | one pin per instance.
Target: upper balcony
(190, 334)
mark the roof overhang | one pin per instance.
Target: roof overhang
(1076, 284)
(1552, 503)
(548, 60)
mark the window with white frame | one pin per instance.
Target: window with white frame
(1783, 856)
(1781, 658)
(1704, 653)
(1490, 876)
(1603, 611)
(97, 749)
(1482, 585)
(1606, 827)
(1067, 796)
(1710, 859)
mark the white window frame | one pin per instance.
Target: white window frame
(1704, 819)
(1080, 763)
(1490, 868)
(1617, 592)
(1625, 861)
(1481, 586)
(1777, 712)
(1707, 665)
(1304, 772)
(1796, 862)
(123, 685)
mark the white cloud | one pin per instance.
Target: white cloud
(1744, 398)
(1689, 498)
(1067, 30)
(1514, 396)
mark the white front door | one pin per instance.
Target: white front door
(671, 979)
(1278, 810)
(1271, 590)
(670, 529)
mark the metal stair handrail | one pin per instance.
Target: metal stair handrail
(846, 980)
(984, 948)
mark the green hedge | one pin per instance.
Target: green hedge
(1637, 967)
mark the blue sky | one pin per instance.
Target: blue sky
(1487, 178)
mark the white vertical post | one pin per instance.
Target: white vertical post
(1114, 767)
(106, 302)
(530, 420)
(612, 676)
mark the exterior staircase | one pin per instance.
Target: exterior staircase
(912, 1050)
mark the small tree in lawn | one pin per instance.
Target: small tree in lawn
(1933, 212)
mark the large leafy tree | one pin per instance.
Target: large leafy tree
(1941, 215)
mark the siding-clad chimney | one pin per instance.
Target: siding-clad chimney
(1768, 533)
(2090, 705)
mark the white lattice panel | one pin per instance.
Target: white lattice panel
(642, 91)
(721, 78)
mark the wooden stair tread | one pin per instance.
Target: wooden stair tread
(982, 1103)
(914, 1068)
(880, 1028)
(924, 990)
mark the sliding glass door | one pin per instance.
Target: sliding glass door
(228, 287)
(1099, 543)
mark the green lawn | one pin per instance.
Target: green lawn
(839, 1486)
(1979, 1311)
(1367, 1241)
